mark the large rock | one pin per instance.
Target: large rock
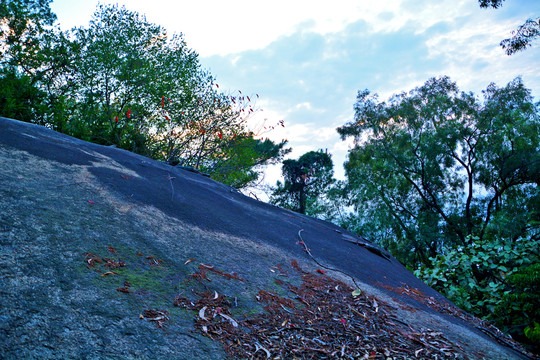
(106, 254)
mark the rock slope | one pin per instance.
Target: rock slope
(105, 254)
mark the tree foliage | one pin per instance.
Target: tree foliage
(27, 52)
(436, 165)
(522, 37)
(124, 81)
(450, 184)
(490, 3)
(306, 180)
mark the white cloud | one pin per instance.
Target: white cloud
(227, 27)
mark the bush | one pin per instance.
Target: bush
(495, 280)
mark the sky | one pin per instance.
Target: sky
(307, 60)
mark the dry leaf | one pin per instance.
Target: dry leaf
(260, 347)
(231, 320)
(201, 313)
(109, 273)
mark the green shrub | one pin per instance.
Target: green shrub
(495, 280)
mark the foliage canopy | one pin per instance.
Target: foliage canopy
(523, 36)
(124, 81)
(307, 179)
(436, 165)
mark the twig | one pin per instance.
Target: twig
(172, 187)
(303, 242)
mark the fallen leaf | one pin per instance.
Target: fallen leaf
(320, 271)
(109, 273)
(201, 313)
(91, 202)
(188, 261)
(260, 347)
(231, 320)
(356, 293)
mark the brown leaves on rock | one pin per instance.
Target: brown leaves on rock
(154, 261)
(92, 260)
(323, 321)
(204, 269)
(214, 318)
(114, 263)
(158, 316)
(125, 288)
(445, 307)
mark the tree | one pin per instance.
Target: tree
(305, 181)
(123, 81)
(522, 37)
(126, 67)
(147, 93)
(434, 166)
(239, 160)
(30, 57)
(23, 26)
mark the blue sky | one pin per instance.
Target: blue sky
(307, 60)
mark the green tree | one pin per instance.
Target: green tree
(436, 165)
(122, 80)
(523, 36)
(125, 65)
(239, 160)
(31, 59)
(24, 25)
(306, 180)
(147, 92)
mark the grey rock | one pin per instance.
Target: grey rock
(64, 202)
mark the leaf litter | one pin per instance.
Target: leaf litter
(323, 319)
